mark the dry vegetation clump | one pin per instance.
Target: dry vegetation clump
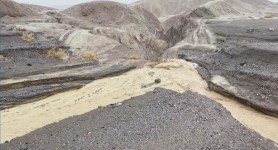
(28, 37)
(208, 22)
(90, 56)
(221, 39)
(57, 53)
(268, 16)
(49, 36)
(2, 58)
(132, 57)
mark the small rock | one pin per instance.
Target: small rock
(271, 29)
(29, 64)
(151, 74)
(157, 80)
(250, 30)
(119, 104)
(144, 86)
(184, 57)
(242, 63)
(2, 58)
(195, 65)
(115, 105)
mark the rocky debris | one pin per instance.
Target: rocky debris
(250, 30)
(2, 58)
(151, 74)
(143, 86)
(160, 119)
(271, 29)
(115, 105)
(157, 81)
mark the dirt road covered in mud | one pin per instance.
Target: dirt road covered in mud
(177, 75)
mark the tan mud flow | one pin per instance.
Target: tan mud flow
(176, 75)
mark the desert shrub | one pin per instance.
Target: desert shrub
(90, 56)
(221, 39)
(49, 36)
(28, 37)
(208, 22)
(135, 57)
(57, 53)
(2, 58)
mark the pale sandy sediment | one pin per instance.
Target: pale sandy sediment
(176, 75)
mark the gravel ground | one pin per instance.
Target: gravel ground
(247, 58)
(161, 119)
(256, 29)
(252, 70)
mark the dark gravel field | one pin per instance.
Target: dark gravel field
(246, 56)
(161, 119)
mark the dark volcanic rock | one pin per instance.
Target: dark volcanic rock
(161, 119)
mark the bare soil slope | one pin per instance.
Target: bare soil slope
(14, 9)
(111, 14)
(229, 8)
(164, 8)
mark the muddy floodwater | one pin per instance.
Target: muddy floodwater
(176, 75)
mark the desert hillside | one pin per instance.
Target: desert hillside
(13, 9)
(110, 14)
(164, 8)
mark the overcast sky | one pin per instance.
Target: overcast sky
(61, 4)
